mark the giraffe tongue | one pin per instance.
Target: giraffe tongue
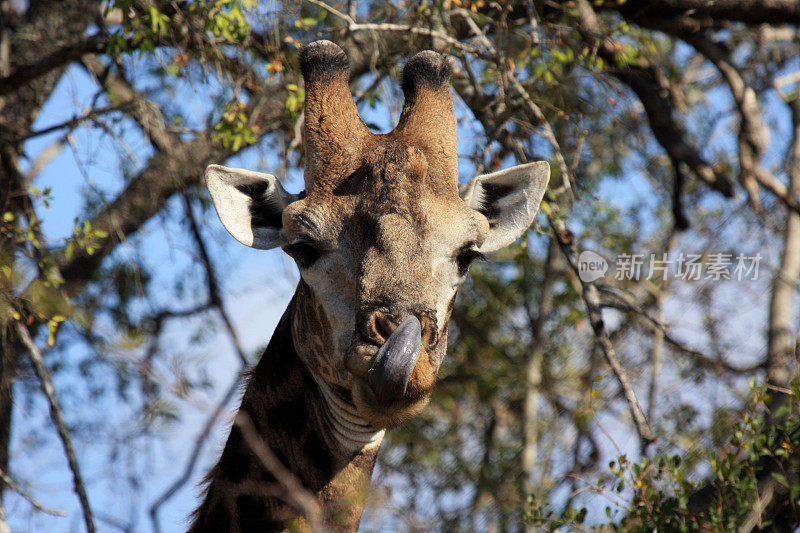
(395, 361)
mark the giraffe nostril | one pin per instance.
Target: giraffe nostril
(379, 324)
(384, 326)
(430, 330)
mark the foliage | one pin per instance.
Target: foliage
(759, 464)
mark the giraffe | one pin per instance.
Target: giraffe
(382, 240)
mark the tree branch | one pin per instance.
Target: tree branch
(589, 294)
(194, 455)
(57, 416)
(754, 134)
(10, 483)
(214, 294)
(591, 299)
(145, 112)
(652, 88)
(295, 492)
(718, 365)
(55, 59)
(752, 12)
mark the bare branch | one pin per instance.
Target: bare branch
(215, 299)
(10, 483)
(752, 12)
(55, 59)
(144, 111)
(753, 132)
(589, 292)
(194, 455)
(591, 299)
(214, 295)
(354, 26)
(652, 88)
(533, 109)
(295, 492)
(57, 415)
(718, 365)
(72, 123)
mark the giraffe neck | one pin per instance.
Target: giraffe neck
(312, 429)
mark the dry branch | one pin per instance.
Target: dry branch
(753, 12)
(194, 455)
(591, 299)
(57, 416)
(353, 26)
(215, 300)
(652, 88)
(624, 304)
(11, 484)
(589, 292)
(295, 492)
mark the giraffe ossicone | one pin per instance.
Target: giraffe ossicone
(382, 240)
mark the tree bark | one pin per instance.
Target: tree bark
(533, 370)
(781, 337)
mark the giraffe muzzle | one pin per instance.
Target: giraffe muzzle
(395, 361)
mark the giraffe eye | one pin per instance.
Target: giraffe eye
(303, 252)
(465, 258)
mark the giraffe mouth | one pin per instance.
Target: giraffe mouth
(395, 361)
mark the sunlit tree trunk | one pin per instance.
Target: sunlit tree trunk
(533, 371)
(781, 336)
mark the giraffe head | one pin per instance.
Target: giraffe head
(381, 235)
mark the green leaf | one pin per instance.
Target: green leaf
(154, 18)
(780, 478)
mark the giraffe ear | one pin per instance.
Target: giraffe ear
(509, 199)
(249, 204)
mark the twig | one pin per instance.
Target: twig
(195, 455)
(753, 131)
(57, 415)
(10, 483)
(115, 523)
(295, 491)
(652, 88)
(717, 364)
(44, 158)
(591, 299)
(530, 105)
(549, 134)
(76, 121)
(215, 300)
(354, 26)
(214, 295)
